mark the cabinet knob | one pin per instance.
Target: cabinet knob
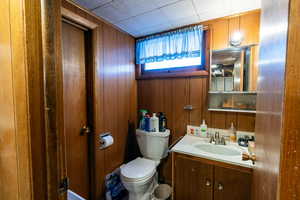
(220, 186)
(208, 183)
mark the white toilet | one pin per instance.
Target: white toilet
(139, 176)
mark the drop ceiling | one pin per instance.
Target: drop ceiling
(144, 17)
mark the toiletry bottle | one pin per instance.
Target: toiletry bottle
(251, 145)
(203, 129)
(162, 122)
(142, 119)
(232, 133)
(147, 122)
(154, 123)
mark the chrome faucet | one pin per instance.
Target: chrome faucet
(217, 140)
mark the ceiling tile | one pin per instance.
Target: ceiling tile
(211, 5)
(91, 4)
(155, 29)
(143, 17)
(134, 7)
(162, 3)
(110, 13)
(237, 6)
(179, 10)
(185, 21)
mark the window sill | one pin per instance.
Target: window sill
(202, 73)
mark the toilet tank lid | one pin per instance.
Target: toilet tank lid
(138, 168)
(153, 134)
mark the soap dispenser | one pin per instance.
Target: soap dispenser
(203, 129)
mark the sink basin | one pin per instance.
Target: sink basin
(218, 149)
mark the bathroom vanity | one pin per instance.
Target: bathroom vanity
(204, 171)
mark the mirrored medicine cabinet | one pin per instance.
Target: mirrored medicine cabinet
(233, 79)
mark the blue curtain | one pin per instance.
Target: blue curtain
(182, 43)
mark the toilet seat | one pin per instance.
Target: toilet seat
(138, 170)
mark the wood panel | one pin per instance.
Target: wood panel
(16, 140)
(8, 154)
(191, 177)
(270, 98)
(235, 185)
(290, 152)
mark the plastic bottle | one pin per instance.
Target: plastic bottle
(154, 123)
(232, 133)
(147, 122)
(142, 119)
(203, 129)
(162, 122)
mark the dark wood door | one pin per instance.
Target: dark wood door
(75, 108)
(193, 179)
(232, 184)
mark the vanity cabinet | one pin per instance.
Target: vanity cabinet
(200, 179)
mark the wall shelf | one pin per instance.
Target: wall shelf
(231, 110)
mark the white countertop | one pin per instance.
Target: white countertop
(187, 146)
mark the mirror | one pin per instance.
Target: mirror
(234, 69)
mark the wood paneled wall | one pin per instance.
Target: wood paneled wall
(15, 152)
(115, 95)
(290, 151)
(171, 95)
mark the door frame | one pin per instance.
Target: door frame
(52, 13)
(91, 37)
(90, 30)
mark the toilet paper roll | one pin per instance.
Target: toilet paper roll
(106, 141)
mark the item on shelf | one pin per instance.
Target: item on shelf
(232, 133)
(143, 112)
(154, 123)
(203, 129)
(162, 122)
(147, 122)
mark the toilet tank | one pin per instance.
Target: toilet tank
(153, 145)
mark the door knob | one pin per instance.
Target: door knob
(84, 130)
(208, 183)
(220, 187)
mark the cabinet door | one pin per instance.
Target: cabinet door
(232, 184)
(193, 179)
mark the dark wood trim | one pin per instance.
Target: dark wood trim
(51, 32)
(78, 19)
(201, 73)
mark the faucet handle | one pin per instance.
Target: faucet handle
(217, 135)
(212, 139)
(223, 140)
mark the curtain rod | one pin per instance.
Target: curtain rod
(205, 27)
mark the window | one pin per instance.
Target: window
(172, 64)
(177, 52)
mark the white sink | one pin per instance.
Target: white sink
(218, 149)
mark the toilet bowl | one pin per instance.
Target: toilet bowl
(139, 176)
